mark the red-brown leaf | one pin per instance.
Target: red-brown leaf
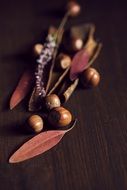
(38, 144)
(79, 63)
(22, 89)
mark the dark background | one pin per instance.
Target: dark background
(93, 156)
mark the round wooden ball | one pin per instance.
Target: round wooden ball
(63, 61)
(36, 123)
(76, 44)
(37, 49)
(89, 78)
(73, 8)
(52, 101)
(59, 117)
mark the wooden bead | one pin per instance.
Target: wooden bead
(77, 44)
(73, 8)
(90, 78)
(60, 117)
(52, 101)
(36, 123)
(37, 49)
(63, 61)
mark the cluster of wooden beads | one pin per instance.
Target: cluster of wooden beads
(58, 116)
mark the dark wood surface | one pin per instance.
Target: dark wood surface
(93, 156)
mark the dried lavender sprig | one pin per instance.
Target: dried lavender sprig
(44, 58)
(49, 51)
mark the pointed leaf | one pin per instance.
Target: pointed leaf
(38, 144)
(79, 63)
(85, 57)
(22, 89)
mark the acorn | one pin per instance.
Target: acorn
(37, 49)
(63, 61)
(89, 78)
(59, 117)
(52, 101)
(36, 123)
(76, 44)
(73, 8)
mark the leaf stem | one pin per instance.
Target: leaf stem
(59, 35)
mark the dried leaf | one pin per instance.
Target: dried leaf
(85, 57)
(22, 89)
(34, 102)
(79, 63)
(38, 144)
(69, 90)
(58, 78)
(96, 53)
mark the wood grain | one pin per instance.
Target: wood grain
(93, 156)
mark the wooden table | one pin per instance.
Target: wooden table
(93, 156)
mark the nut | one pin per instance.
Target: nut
(77, 44)
(63, 61)
(89, 78)
(37, 49)
(52, 101)
(73, 8)
(60, 117)
(36, 123)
